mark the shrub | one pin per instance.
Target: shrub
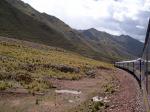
(5, 75)
(109, 88)
(63, 68)
(98, 106)
(24, 77)
(4, 85)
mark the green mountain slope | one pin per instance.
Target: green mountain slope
(115, 46)
(14, 23)
(42, 28)
(132, 45)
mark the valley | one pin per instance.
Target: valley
(48, 66)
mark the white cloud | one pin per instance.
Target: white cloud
(140, 27)
(84, 14)
(146, 5)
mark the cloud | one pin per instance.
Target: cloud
(128, 17)
(140, 27)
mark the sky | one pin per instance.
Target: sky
(128, 17)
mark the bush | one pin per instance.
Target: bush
(5, 76)
(63, 68)
(23, 77)
(4, 85)
(109, 88)
(98, 106)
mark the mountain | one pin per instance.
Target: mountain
(15, 24)
(28, 24)
(115, 46)
(20, 21)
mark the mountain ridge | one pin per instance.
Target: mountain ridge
(31, 25)
(124, 42)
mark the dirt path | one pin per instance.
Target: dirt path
(89, 87)
(128, 98)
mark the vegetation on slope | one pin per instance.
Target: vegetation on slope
(30, 68)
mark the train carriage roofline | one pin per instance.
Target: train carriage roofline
(130, 61)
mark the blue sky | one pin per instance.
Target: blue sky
(129, 17)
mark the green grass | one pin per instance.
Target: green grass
(31, 67)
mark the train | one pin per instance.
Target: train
(140, 67)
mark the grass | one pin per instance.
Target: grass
(5, 85)
(30, 66)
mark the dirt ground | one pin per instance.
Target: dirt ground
(125, 98)
(129, 97)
